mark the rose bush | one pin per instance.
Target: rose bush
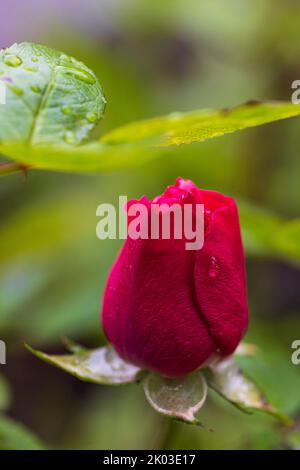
(169, 309)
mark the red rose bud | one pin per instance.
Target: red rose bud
(170, 309)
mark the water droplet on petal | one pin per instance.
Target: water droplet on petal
(91, 117)
(12, 60)
(70, 138)
(207, 219)
(66, 109)
(213, 268)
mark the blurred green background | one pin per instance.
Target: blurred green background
(152, 57)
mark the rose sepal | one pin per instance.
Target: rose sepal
(179, 398)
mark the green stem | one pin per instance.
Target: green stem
(170, 433)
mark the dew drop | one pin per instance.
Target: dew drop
(70, 138)
(213, 268)
(207, 220)
(76, 69)
(81, 75)
(12, 60)
(91, 117)
(31, 69)
(66, 110)
(16, 90)
(35, 89)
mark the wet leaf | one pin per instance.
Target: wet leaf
(177, 398)
(101, 366)
(55, 103)
(197, 126)
(90, 157)
(51, 98)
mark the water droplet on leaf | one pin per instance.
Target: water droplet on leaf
(66, 110)
(12, 60)
(81, 75)
(31, 69)
(213, 268)
(35, 89)
(16, 90)
(91, 117)
(76, 69)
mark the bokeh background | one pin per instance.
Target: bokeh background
(152, 57)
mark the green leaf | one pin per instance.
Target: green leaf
(50, 98)
(100, 366)
(135, 143)
(197, 126)
(40, 130)
(177, 398)
(15, 436)
(226, 378)
(92, 157)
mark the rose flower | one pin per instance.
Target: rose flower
(170, 309)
